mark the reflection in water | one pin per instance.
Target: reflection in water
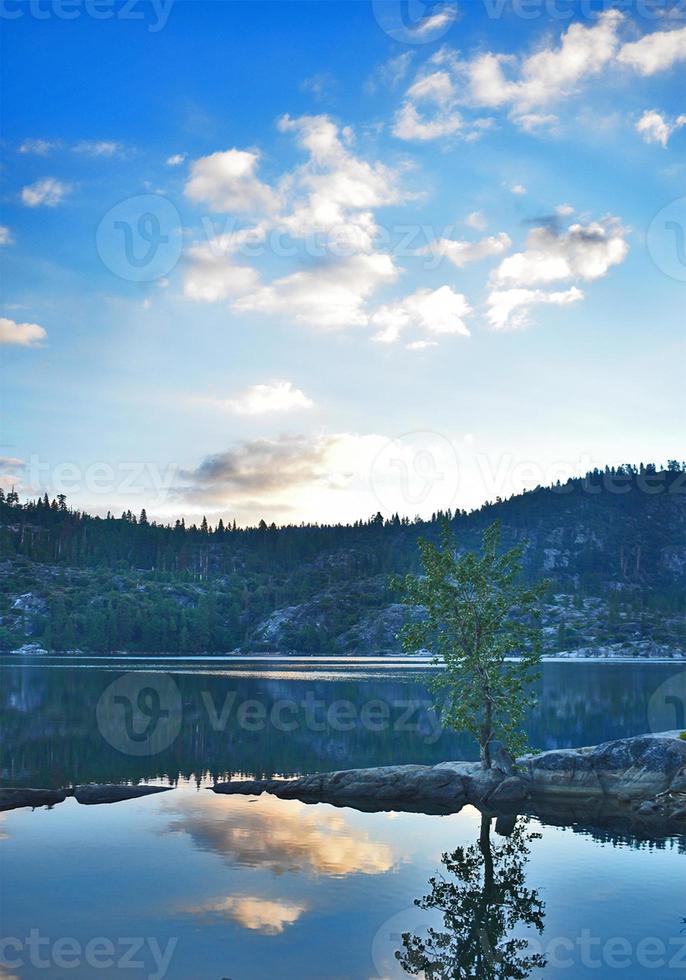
(280, 835)
(266, 916)
(50, 736)
(482, 905)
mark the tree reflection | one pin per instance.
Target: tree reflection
(483, 902)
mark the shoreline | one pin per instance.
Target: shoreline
(638, 781)
(380, 659)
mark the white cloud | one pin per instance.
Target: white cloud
(438, 92)
(391, 72)
(421, 344)
(21, 334)
(434, 311)
(655, 52)
(564, 210)
(460, 253)
(476, 220)
(38, 147)
(262, 399)
(227, 182)
(332, 194)
(509, 308)
(548, 75)
(655, 128)
(335, 191)
(331, 197)
(435, 23)
(48, 192)
(411, 125)
(532, 122)
(319, 85)
(518, 189)
(582, 252)
(527, 87)
(97, 148)
(212, 276)
(330, 296)
(437, 87)
(176, 159)
(5, 235)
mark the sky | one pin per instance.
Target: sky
(308, 261)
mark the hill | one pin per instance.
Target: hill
(612, 544)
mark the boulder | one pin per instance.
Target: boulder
(13, 797)
(564, 771)
(511, 790)
(639, 767)
(94, 793)
(479, 783)
(628, 768)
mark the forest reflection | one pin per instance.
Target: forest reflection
(50, 734)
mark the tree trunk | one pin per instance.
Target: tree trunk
(486, 736)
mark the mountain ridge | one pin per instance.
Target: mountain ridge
(612, 544)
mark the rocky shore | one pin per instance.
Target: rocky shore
(643, 777)
(640, 779)
(12, 797)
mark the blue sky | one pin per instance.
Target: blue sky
(309, 260)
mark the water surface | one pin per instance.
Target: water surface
(209, 887)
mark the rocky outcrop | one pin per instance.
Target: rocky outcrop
(630, 768)
(29, 650)
(12, 798)
(94, 793)
(646, 774)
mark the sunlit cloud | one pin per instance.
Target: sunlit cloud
(21, 334)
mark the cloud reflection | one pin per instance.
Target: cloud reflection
(267, 916)
(280, 835)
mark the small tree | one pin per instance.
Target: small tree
(478, 614)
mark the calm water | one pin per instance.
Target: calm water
(192, 885)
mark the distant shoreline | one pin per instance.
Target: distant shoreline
(397, 660)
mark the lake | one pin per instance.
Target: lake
(188, 884)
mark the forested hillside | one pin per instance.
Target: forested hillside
(612, 544)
